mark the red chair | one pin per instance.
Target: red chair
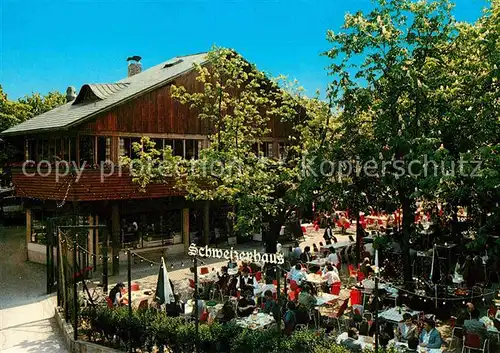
(135, 287)
(473, 341)
(204, 270)
(355, 297)
(204, 316)
(335, 290)
(319, 272)
(275, 282)
(292, 296)
(293, 285)
(353, 273)
(191, 283)
(109, 302)
(361, 276)
(258, 276)
(304, 230)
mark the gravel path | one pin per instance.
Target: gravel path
(26, 313)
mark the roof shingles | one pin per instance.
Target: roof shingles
(69, 114)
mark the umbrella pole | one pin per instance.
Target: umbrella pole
(196, 313)
(129, 279)
(376, 313)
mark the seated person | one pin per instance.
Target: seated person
(331, 277)
(246, 304)
(116, 296)
(306, 300)
(407, 329)
(430, 337)
(474, 326)
(289, 318)
(226, 314)
(351, 341)
(296, 274)
(333, 257)
(270, 306)
(246, 282)
(466, 314)
(412, 345)
(232, 263)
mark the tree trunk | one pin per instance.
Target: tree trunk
(408, 220)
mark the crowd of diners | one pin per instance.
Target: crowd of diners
(243, 289)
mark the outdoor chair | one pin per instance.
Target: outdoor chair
(473, 342)
(143, 305)
(109, 302)
(204, 270)
(340, 313)
(258, 276)
(191, 283)
(454, 331)
(353, 273)
(335, 290)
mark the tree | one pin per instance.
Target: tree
(238, 101)
(18, 111)
(393, 52)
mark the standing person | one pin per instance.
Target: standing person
(430, 337)
(333, 257)
(328, 234)
(306, 255)
(246, 282)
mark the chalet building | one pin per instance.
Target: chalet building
(100, 123)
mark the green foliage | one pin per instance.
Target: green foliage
(238, 101)
(150, 328)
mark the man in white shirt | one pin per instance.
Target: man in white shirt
(333, 258)
(331, 275)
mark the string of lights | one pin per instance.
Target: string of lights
(434, 298)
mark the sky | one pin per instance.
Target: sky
(50, 45)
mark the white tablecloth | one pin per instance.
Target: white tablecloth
(396, 314)
(314, 278)
(255, 322)
(325, 298)
(364, 341)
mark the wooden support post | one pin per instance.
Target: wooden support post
(28, 230)
(115, 238)
(206, 223)
(90, 237)
(185, 228)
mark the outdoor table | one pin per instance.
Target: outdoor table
(260, 286)
(338, 245)
(325, 298)
(366, 342)
(396, 314)
(255, 321)
(315, 279)
(318, 262)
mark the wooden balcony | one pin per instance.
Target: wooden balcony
(88, 185)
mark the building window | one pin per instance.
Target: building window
(87, 146)
(268, 149)
(133, 153)
(72, 149)
(179, 148)
(283, 150)
(30, 150)
(103, 149)
(191, 149)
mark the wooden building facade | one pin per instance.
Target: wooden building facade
(96, 128)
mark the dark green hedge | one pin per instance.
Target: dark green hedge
(150, 328)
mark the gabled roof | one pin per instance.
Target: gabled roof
(107, 96)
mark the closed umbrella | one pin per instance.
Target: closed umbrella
(164, 292)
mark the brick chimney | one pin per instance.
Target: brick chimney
(70, 94)
(134, 65)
